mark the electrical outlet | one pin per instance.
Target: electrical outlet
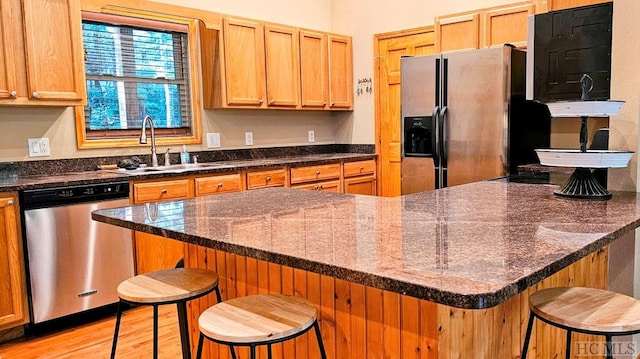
(248, 138)
(213, 140)
(312, 136)
(39, 147)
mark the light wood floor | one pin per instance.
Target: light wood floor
(94, 340)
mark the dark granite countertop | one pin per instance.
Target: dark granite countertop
(469, 246)
(52, 177)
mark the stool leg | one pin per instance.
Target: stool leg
(252, 350)
(200, 342)
(609, 347)
(155, 332)
(218, 296)
(525, 346)
(184, 330)
(269, 354)
(233, 352)
(117, 329)
(568, 356)
(316, 327)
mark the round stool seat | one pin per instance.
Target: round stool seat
(587, 309)
(167, 286)
(257, 319)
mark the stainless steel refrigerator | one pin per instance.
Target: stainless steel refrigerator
(465, 118)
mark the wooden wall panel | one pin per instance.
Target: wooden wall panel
(363, 322)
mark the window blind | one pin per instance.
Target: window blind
(132, 72)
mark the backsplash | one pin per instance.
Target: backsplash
(29, 168)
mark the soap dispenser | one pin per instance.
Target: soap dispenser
(184, 155)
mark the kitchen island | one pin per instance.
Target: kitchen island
(439, 274)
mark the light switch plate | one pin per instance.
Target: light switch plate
(213, 140)
(248, 138)
(39, 147)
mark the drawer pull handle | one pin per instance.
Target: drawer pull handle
(268, 178)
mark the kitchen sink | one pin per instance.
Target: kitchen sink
(177, 168)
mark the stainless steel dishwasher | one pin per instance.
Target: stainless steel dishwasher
(74, 263)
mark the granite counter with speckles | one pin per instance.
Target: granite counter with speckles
(469, 246)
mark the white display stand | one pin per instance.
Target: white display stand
(582, 184)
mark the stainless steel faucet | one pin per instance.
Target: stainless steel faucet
(143, 139)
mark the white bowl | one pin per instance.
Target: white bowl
(584, 108)
(589, 159)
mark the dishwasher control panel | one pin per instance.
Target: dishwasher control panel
(55, 196)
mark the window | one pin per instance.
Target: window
(134, 68)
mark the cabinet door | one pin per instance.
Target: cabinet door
(553, 5)
(13, 303)
(507, 25)
(340, 72)
(283, 66)
(360, 185)
(457, 33)
(244, 63)
(156, 252)
(8, 81)
(313, 69)
(53, 50)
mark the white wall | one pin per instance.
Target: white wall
(361, 19)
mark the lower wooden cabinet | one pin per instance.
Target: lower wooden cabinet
(360, 177)
(156, 253)
(13, 300)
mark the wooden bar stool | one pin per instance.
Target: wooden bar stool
(262, 319)
(584, 310)
(171, 286)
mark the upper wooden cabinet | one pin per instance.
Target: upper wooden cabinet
(41, 53)
(488, 27)
(340, 72)
(457, 32)
(283, 66)
(244, 63)
(253, 64)
(13, 306)
(313, 69)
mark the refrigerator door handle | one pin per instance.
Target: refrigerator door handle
(435, 145)
(444, 144)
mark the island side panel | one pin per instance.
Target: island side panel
(364, 322)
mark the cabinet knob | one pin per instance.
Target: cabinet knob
(271, 103)
(317, 173)
(333, 104)
(10, 202)
(164, 191)
(361, 168)
(35, 94)
(268, 178)
(13, 94)
(324, 103)
(220, 185)
(260, 101)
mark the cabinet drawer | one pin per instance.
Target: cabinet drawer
(327, 186)
(268, 178)
(160, 191)
(315, 173)
(218, 184)
(359, 168)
